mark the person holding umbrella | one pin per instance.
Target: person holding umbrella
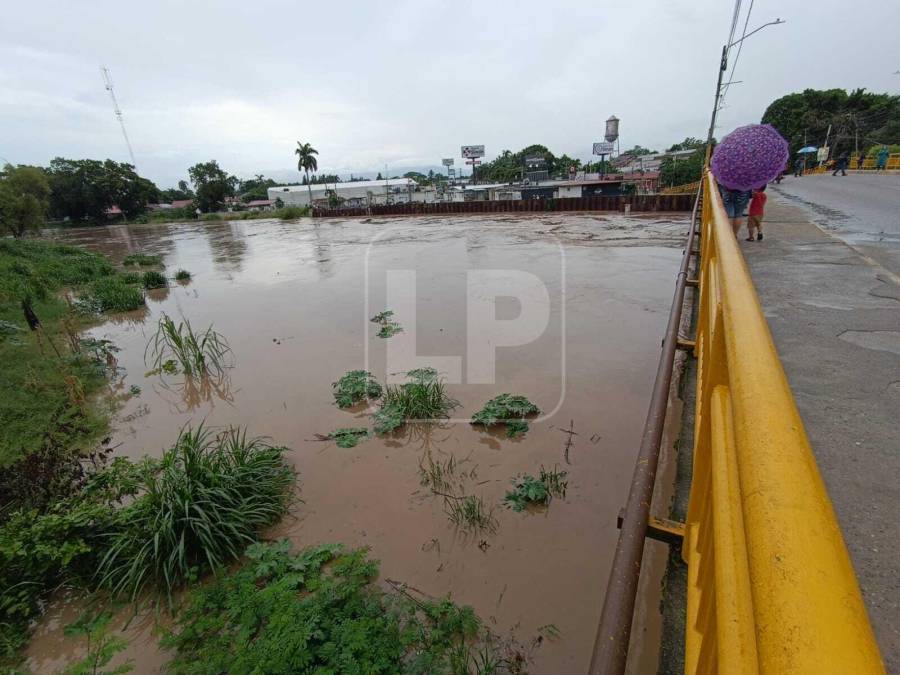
(747, 159)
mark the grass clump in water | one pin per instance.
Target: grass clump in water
(470, 513)
(355, 386)
(348, 437)
(152, 279)
(530, 491)
(508, 409)
(112, 294)
(182, 275)
(202, 504)
(389, 327)
(319, 610)
(204, 353)
(423, 399)
(142, 260)
(291, 212)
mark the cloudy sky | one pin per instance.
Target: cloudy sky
(405, 83)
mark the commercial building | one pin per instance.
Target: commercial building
(356, 193)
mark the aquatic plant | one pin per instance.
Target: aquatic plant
(112, 294)
(178, 346)
(290, 213)
(206, 501)
(528, 490)
(423, 399)
(182, 275)
(389, 327)
(348, 437)
(153, 279)
(320, 610)
(508, 409)
(355, 386)
(142, 260)
(470, 513)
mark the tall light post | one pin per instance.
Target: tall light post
(723, 66)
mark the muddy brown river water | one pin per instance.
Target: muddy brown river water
(293, 299)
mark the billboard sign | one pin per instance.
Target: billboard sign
(472, 151)
(447, 161)
(822, 153)
(604, 148)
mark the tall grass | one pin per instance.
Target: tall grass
(142, 260)
(113, 294)
(197, 354)
(153, 279)
(199, 510)
(425, 398)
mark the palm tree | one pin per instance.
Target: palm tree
(306, 162)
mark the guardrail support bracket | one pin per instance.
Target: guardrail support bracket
(660, 529)
(686, 345)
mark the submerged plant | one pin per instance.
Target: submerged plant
(112, 294)
(389, 327)
(320, 610)
(528, 490)
(204, 502)
(355, 386)
(178, 346)
(470, 513)
(152, 279)
(348, 437)
(423, 399)
(182, 275)
(142, 260)
(508, 409)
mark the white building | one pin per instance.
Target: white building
(357, 193)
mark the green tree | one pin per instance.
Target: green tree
(211, 185)
(681, 170)
(855, 117)
(24, 192)
(306, 162)
(83, 189)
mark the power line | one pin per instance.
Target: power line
(737, 56)
(107, 81)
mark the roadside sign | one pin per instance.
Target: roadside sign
(822, 153)
(604, 148)
(472, 151)
(447, 161)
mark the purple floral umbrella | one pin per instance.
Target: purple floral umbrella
(749, 157)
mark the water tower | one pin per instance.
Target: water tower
(612, 129)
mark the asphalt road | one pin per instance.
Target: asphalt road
(863, 209)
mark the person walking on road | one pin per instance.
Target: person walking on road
(735, 201)
(841, 164)
(881, 163)
(859, 161)
(755, 217)
(798, 167)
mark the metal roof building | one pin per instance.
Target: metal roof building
(298, 195)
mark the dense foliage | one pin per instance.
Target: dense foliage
(682, 170)
(83, 189)
(318, 611)
(858, 116)
(211, 185)
(24, 193)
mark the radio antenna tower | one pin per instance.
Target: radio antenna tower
(107, 81)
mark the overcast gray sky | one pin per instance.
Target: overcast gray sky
(405, 83)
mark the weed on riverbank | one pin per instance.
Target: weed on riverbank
(177, 347)
(355, 386)
(423, 399)
(508, 409)
(530, 491)
(142, 260)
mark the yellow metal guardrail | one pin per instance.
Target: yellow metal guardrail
(686, 188)
(771, 588)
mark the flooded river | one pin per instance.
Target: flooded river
(293, 299)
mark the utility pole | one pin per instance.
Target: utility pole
(107, 81)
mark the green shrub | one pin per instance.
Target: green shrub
(424, 398)
(153, 279)
(142, 260)
(114, 294)
(290, 212)
(355, 386)
(207, 501)
(320, 611)
(508, 409)
(528, 490)
(182, 275)
(211, 216)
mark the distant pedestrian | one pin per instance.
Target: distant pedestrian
(798, 167)
(841, 165)
(881, 162)
(860, 159)
(755, 217)
(735, 201)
